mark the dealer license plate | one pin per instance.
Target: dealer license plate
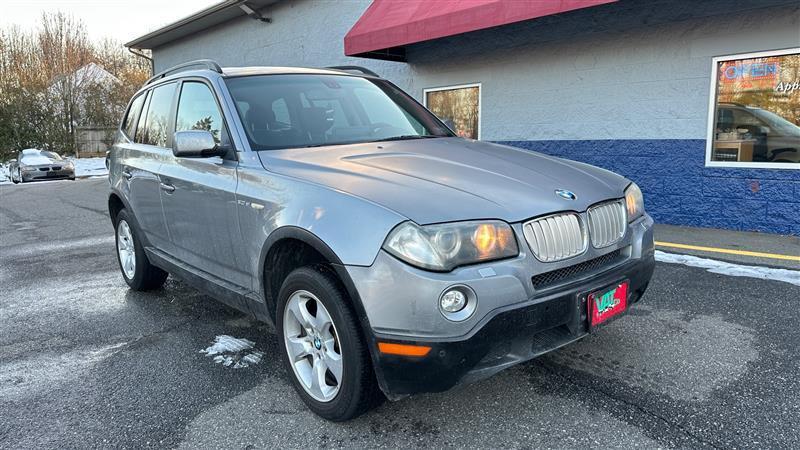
(607, 303)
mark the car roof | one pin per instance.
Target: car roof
(247, 71)
(269, 70)
(252, 70)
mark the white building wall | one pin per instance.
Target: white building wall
(306, 33)
(629, 70)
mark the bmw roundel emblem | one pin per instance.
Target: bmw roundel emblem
(565, 194)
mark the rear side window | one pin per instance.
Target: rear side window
(157, 120)
(198, 110)
(133, 113)
(140, 130)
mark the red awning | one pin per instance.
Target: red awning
(389, 25)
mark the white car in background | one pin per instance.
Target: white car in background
(35, 165)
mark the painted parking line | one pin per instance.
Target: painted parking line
(729, 251)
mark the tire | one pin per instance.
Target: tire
(19, 178)
(137, 270)
(356, 390)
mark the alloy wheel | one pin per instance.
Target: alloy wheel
(312, 344)
(126, 249)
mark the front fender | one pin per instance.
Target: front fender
(352, 228)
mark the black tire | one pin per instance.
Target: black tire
(146, 276)
(18, 179)
(358, 391)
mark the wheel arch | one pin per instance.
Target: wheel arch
(115, 205)
(290, 233)
(118, 202)
(312, 250)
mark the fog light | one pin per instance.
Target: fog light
(453, 300)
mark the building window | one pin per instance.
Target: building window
(754, 111)
(457, 106)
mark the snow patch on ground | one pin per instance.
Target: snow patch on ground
(5, 177)
(233, 352)
(86, 167)
(734, 270)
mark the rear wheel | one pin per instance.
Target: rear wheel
(136, 269)
(326, 356)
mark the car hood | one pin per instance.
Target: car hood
(450, 179)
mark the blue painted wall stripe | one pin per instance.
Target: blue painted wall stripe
(680, 190)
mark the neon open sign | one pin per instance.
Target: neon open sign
(751, 70)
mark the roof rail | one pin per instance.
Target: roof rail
(208, 63)
(363, 70)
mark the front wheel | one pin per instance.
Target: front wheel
(326, 356)
(136, 269)
(18, 179)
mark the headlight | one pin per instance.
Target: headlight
(69, 165)
(28, 169)
(446, 246)
(634, 201)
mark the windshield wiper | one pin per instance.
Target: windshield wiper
(407, 137)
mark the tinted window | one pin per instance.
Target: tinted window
(157, 122)
(286, 111)
(197, 110)
(140, 128)
(133, 114)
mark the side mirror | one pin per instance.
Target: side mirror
(12, 161)
(195, 144)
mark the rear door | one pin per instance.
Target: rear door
(199, 194)
(140, 157)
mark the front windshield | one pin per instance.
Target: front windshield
(304, 110)
(36, 157)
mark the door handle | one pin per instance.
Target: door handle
(127, 174)
(167, 187)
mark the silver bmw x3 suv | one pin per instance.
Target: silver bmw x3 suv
(392, 257)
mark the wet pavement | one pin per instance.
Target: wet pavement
(705, 360)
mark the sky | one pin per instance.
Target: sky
(116, 19)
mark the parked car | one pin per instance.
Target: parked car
(776, 139)
(33, 164)
(392, 256)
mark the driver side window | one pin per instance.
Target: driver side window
(198, 110)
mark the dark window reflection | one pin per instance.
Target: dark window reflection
(458, 108)
(758, 110)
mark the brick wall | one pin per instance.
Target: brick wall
(678, 188)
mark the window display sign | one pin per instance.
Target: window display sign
(754, 113)
(458, 107)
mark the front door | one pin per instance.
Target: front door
(199, 194)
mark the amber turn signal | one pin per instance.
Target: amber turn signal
(403, 349)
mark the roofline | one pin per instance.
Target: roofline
(211, 10)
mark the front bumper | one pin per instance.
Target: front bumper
(39, 175)
(515, 319)
(511, 336)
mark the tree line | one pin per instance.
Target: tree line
(54, 79)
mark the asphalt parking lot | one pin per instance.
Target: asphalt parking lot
(705, 360)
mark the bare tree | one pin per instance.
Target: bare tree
(54, 79)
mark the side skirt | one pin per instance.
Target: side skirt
(244, 300)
